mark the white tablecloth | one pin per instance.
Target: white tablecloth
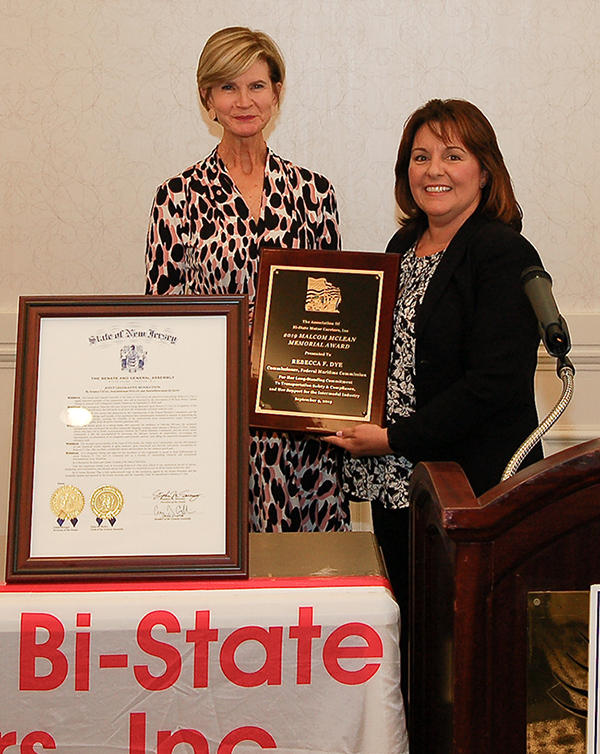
(294, 665)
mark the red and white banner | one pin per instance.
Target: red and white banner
(205, 671)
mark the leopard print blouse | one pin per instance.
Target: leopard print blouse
(202, 239)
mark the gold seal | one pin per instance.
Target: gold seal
(67, 503)
(106, 502)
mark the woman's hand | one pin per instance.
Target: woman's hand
(362, 440)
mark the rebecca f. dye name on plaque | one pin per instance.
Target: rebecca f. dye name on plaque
(320, 346)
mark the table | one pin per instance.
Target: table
(301, 657)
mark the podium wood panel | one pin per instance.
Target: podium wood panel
(474, 561)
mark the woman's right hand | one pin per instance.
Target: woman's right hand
(362, 440)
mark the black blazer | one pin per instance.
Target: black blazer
(476, 353)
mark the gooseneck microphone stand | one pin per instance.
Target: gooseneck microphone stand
(537, 285)
(566, 372)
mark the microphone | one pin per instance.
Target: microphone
(537, 285)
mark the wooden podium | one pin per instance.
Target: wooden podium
(474, 561)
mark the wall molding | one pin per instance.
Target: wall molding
(581, 422)
(585, 359)
(8, 340)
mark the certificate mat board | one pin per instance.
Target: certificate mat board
(131, 457)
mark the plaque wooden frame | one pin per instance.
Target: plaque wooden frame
(301, 388)
(21, 566)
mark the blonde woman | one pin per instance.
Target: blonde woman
(206, 229)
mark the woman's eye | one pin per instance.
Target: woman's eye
(454, 157)
(419, 158)
(226, 87)
(258, 86)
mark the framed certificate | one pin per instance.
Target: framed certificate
(321, 340)
(130, 439)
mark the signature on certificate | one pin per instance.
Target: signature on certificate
(173, 504)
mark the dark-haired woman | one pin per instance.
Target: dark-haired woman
(461, 373)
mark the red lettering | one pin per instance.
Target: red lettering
(305, 632)
(167, 653)
(37, 737)
(8, 739)
(271, 640)
(200, 636)
(82, 654)
(31, 650)
(137, 733)
(167, 741)
(333, 653)
(246, 733)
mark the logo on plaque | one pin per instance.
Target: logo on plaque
(322, 296)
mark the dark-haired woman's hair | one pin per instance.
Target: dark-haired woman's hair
(458, 119)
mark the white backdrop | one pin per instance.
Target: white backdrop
(98, 105)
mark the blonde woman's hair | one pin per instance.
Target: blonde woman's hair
(230, 52)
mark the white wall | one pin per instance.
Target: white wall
(98, 105)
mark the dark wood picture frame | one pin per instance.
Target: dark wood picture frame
(233, 563)
(359, 279)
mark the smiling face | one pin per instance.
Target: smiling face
(245, 105)
(445, 178)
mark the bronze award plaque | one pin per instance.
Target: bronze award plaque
(321, 339)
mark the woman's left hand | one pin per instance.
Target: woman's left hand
(362, 440)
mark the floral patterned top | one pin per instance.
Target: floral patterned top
(386, 478)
